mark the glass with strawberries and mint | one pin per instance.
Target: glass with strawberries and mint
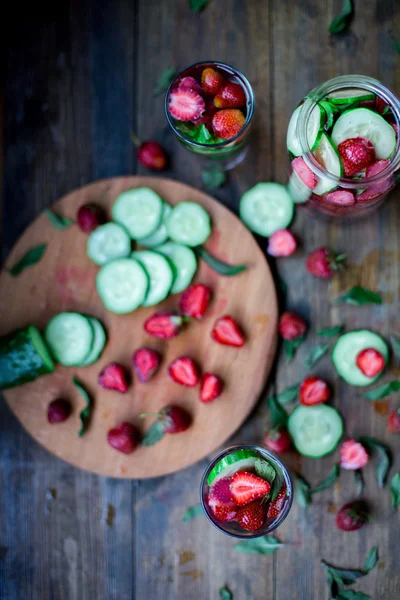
(246, 491)
(210, 107)
(343, 144)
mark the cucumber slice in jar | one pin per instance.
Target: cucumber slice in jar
(327, 156)
(122, 285)
(184, 263)
(99, 341)
(189, 224)
(315, 430)
(160, 273)
(348, 347)
(349, 96)
(266, 207)
(107, 242)
(69, 336)
(139, 211)
(298, 190)
(314, 128)
(366, 123)
(160, 235)
(240, 460)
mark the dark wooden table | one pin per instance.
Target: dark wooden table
(79, 77)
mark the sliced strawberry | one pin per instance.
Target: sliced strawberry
(146, 363)
(163, 325)
(323, 262)
(370, 362)
(189, 83)
(251, 516)
(370, 194)
(58, 411)
(195, 300)
(314, 391)
(246, 487)
(304, 172)
(276, 505)
(224, 511)
(230, 96)
(278, 440)
(291, 326)
(114, 377)
(228, 122)
(356, 154)
(227, 332)
(353, 455)
(282, 243)
(380, 187)
(377, 167)
(184, 371)
(124, 437)
(341, 198)
(211, 81)
(393, 422)
(185, 104)
(211, 387)
(220, 491)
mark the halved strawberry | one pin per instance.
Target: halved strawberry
(282, 243)
(114, 377)
(341, 198)
(276, 505)
(230, 96)
(185, 104)
(227, 332)
(228, 122)
(353, 455)
(370, 362)
(189, 83)
(251, 516)
(163, 325)
(314, 391)
(304, 172)
(124, 437)
(211, 387)
(184, 371)
(211, 81)
(145, 362)
(246, 487)
(224, 511)
(220, 491)
(356, 154)
(195, 300)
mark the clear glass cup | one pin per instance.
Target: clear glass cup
(230, 152)
(366, 194)
(232, 528)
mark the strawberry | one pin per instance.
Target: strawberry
(276, 505)
(191, 84)
(341, 198)
(230, 96)
(146, 363)
(356, 154)
(89, 217)
(278, 440)
(353, 455)
(304, 173)
(381, 187)
(291, 326)
(251, 516)
(220, 491)
(377, 167)
(393, 422)
(184, 371)
(185, 104)
(352, 516)
(124, 437)
(228, 122)
(314, 391)
(211, 81)
(195, 300)
(370, 362)
(114, 377)
(163, 325)
(152, 156)
(227, 332)
(282, 243)
(381, 104)
(323, 262)
(246, 487)
(175, 419)
(224, 511)
(210, 388)
(58, 411)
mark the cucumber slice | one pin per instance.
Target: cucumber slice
(69, 336)
(107, 242)
(139, 211)
(122, 285)
(348, 347)
(99, 341)
(315, 430)
(266, 207)
(315, 125)
(366, 123)
(298, 190)
(241, 460)
(188, 224)
(331, 111)
(327, 155)
(184, 264)
(349, 96)
(160, 273)
(23, 357)
(160, 235)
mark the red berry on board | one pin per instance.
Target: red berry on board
(124, 437)
(291, 326)
(356, 154)
(353, 455)
(282, 243)
(89, 217)
(393, 422)
(152, 156)
(195, 300)
(252, 516)
(185, 104)
(146, 363)
(211, 80)
(352, 516)
(232, 95)
(114, 377)
(228, 122)
(227, 332)
(184, 371)
(211, 387)
(314, 391)
(163, 325)
(58, 411)
(278, 440)
(246, 487)
(174, 419)
(276, 505)
(323, 262)
(370, 362)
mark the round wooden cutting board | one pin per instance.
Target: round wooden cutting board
(64, 280)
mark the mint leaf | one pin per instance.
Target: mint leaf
(371, 560)
(225, 593)
(342, 577)
(359, 296)
(395, 489)
(331, 331)
(288, 395)
(359, 481)
(329, 480)
(282, 285)
(31, 257)
(384, 456)
(382, 391)
(290, 347)
(352, 595)
(343, 20)
(86, 413)
(395, 341)
(58, 221)
(303, 491)
(153, 435)
(315, 355)
(277, 414)
(276, 485)
(261, 545)
(192, 513)
(165, 79)
(217, 265)
(264, 470)
(198, 133)
(197, 5)
(213, 178)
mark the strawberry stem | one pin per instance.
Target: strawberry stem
(149, 414)
(135, 140)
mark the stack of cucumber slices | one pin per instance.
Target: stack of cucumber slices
(167, 263)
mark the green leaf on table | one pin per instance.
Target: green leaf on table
(383, 453)
(277, 414)
(359, 296)
(371, 560)
(331, 331)
(220, 267)
(86, 413)
(192, 513)
(395, 341)
(315, 355)
(352, 595)
(396, 44)
(282, 285)
(303, 491)
(197, 5)
(395, 489)
(382, 391)
(164, 81)
(288, 395)
(213, 177)
(264, 470)
(225, 593)
(340, 576)
(290, 347)
(30, 258)
(329, 480)
(343, 20)
(359, 481)
(153, 435)
(261, 545)
(58, 221)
